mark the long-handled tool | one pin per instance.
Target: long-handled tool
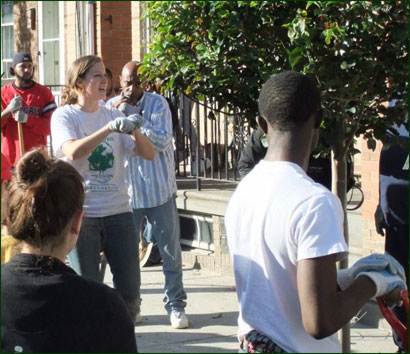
(401, 328)
(21, 140)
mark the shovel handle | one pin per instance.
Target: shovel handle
(21, 140)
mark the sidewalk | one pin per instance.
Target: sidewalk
(212, 311)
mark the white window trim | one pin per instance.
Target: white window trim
(60, 39)
(7, 60)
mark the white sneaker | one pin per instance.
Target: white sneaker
(179, 319)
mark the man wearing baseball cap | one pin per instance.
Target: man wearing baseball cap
(27, 102)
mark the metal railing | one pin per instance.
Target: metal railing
(208, 141)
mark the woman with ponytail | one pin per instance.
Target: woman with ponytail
(45, 305)
(9, 245)
(95, 140)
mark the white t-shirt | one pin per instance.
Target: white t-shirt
(106, 190)
(276, 217)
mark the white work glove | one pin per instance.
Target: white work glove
(122, 125)
(374, 262)
(385, 281)
(138, 120)
(20, 116)
(15, 104)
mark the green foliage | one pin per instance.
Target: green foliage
(352, 49)
(220, 49)
(227, 50)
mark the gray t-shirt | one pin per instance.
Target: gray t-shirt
(106, 190)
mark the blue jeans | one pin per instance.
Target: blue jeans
(116, 236)
(165, 232)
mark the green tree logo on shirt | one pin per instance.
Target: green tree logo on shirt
(102, 158)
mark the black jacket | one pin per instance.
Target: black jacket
(394, 185)
(47, 307)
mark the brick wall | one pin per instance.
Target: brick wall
(70, 34)
(372, 242)
(138, 34)
(25, 39)
(113, 35)
(220, 259)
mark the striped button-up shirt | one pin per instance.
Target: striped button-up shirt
(152, 183)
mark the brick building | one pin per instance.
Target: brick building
(58, 32)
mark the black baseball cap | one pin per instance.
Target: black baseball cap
(22, 57)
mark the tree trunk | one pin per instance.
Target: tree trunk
(339, 182)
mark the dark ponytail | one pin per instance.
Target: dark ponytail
(42, 197)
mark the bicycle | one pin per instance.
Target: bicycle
(354, 196)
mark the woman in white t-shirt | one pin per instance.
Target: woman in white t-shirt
(95, 140)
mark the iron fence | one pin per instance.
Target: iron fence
(208, 141)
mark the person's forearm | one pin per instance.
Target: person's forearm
(346, 304)
(324, 309)
(143, 147)
(78, 149)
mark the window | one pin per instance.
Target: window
(51, 42)
(85, 28)
(7, 38)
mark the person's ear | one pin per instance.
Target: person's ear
(79, 84)
(77, 221)
(262, 123)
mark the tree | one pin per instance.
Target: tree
(220, 49)
(358, 53)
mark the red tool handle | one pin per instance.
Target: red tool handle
(401, 328)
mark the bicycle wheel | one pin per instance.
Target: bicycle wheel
(354, 198)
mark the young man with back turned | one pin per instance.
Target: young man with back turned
(285, 233)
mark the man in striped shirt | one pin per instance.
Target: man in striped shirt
(152, 184)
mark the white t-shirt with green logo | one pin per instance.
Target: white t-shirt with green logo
(106, 190)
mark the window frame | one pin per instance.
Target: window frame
(4, 68)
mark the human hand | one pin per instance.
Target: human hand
(126, 93)
(379, 221)
(385, 281)
(15, 104)
(122, 106)
(122, 125)
(138, 120)
(374, 262)
(393, 298)
(21, 116)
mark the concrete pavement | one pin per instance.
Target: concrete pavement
(212, 311)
